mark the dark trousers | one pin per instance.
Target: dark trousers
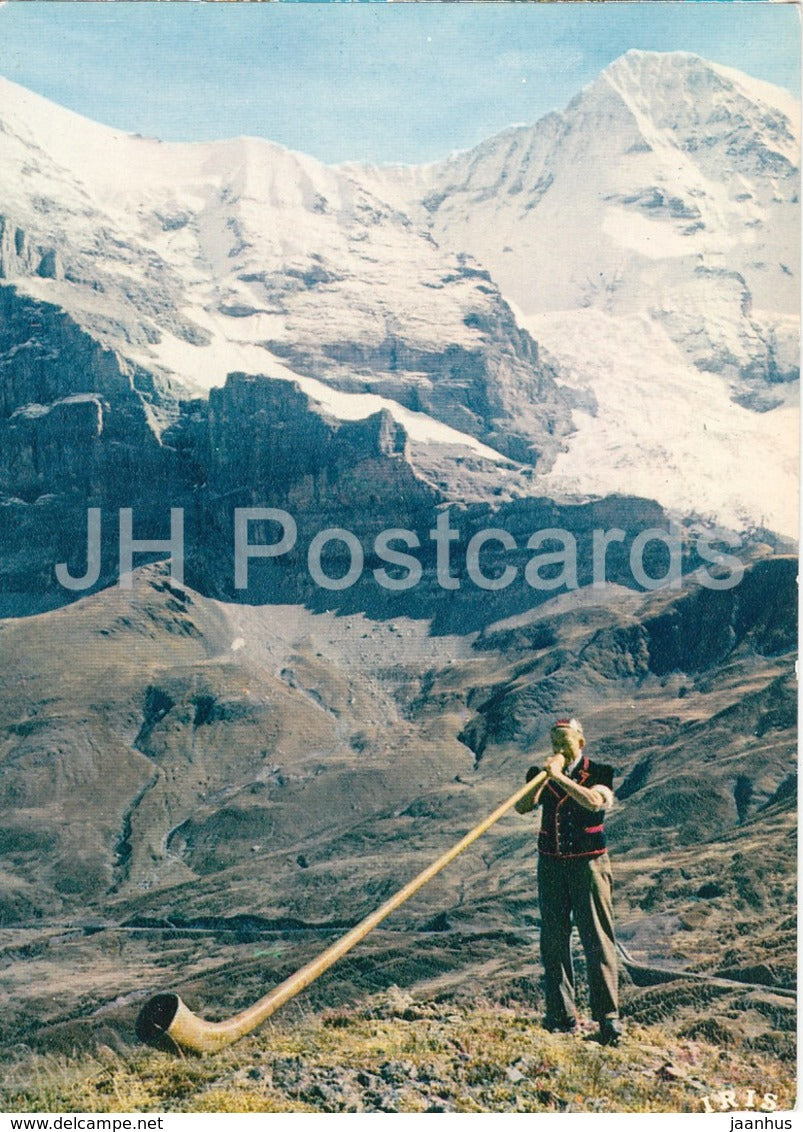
(577, 890)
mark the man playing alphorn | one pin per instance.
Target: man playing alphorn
(574, 881)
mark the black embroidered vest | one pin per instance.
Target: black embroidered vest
(567, 829)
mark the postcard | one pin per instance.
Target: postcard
(398, 555)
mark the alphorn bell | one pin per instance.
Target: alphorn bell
(165, 1016)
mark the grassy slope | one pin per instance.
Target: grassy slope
(394, 1054)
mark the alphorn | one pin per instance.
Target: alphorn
(166, 1021)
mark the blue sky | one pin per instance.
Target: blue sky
(377, 82)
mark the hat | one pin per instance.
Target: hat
(573, 724)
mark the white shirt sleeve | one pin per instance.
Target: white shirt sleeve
(607, 795)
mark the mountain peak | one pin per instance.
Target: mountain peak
(682, 76)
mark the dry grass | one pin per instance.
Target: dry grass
(399, 1056)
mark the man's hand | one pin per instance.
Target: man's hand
(589, 797)
(554, 765)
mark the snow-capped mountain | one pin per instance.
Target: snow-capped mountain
(648, 238)
(666, 164)
(197, 260)
(609, 295)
